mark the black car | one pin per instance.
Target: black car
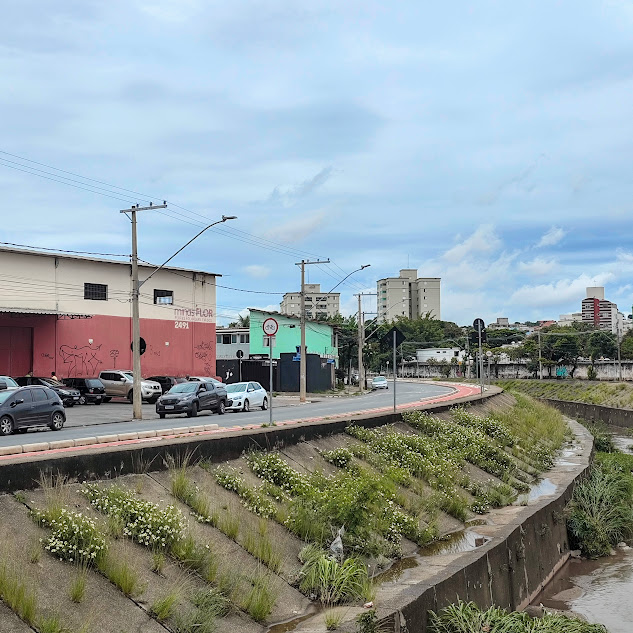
(68, 396)
(191, 397)
(90, 389)
(30, 406)
(6, 382)
(167, 382)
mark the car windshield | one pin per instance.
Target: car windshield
(184, 387)
(380, 379)
(4, 395)
(129, 374)
(238, 386)
(93, 383)
(53, 383)
(9, 381)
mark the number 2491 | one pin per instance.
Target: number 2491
(182, 325)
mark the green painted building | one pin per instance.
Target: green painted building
(321, 338)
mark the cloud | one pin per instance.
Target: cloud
(298, 229)
(257, 270)
(552, 237)
(521, 178)
(292, 194)
(483, 240)
(559, 292)
(538, 266)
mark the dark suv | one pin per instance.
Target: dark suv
(191, 397)
(67, 395)
(30, 406)
(90, 389)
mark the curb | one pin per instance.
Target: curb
(104, 439)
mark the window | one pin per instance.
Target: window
(218, 339)
(163, 297)
(39, 395)
(226, 339)
(96, 292)
(243, 338)
(233, 338)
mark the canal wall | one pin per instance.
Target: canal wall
(528, 545)
(593, 412)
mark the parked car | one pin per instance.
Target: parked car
(379, 382)
(6, 382)
(119, 384)
(244, 395)
(68, 395)
(215, 381)
(30, 406)
(191, 397)
(167, 382)
(90, 389)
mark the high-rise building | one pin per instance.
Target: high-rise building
(599, 312)
(408, 295)
(319, 305)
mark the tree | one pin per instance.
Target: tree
(626, 347)
(602, 345)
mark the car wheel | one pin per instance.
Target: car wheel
(247, 406)
(265, 404)
(153, 400)
(6, 425)
(82, 400)
(107, 399)
(221, 408)
(57, 421)
(69, 404)
(130, 396)
(161, 416)
(193, 412)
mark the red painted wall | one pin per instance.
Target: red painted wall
(63, 346)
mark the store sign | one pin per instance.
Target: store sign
(197, 315)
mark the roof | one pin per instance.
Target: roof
(43, 312)
(23, 251)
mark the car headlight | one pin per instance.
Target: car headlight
(61, 392)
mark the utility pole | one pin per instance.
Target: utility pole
(540, 360)
(137, 410)
(619, 359)
(302, 354)
(361, 342)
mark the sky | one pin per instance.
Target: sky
(486, 143)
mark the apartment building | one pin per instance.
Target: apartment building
(599, 312)
(319, 305)
(408, 296)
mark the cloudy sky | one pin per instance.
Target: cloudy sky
(490, 146)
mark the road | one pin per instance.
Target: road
(115, 417)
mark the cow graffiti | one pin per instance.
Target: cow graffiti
(82, 361)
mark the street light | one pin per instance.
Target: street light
(349, 275)
(137, 410)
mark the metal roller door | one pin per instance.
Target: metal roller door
(16, 351)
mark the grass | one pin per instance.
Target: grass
(467, 618)
(261, 598)
(600, 513)
(332, 619)
(35, 552)
(16, 594)
(259, 545)
(198, 558)
(51, 624)
(77, 589)
(122, 575)
(163, 608)
(209, 605)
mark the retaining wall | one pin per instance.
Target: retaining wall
(608, 415)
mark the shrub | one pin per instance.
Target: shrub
(143, 521)
(255, 499)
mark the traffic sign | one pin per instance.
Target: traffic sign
(270, 326)
(479, 324)
(387, 339)
(142, 346)
(239, 353)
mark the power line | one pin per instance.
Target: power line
(62, 250)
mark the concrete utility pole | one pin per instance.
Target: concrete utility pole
(619, 359)
(302, 353)
(361, 337)
(540, 360)
(137, 411)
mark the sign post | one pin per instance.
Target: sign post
(270, 327)
(240, 355)
(394, 337)
(479, 326)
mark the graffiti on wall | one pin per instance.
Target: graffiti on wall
(80, 360)
(113, 355)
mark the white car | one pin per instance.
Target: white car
(243, 396)
(379, 382)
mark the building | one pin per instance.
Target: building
(319, 305)
(439, 354)
(408, 296)
(502, 323)
(230, 340)
(599, 312)
(321, 338)
(72, 315)
(566, 320)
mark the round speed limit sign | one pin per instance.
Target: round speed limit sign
(270, 327)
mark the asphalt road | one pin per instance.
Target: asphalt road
(115, 417)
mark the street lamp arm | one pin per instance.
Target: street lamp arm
(195, 237)
(349, 275)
